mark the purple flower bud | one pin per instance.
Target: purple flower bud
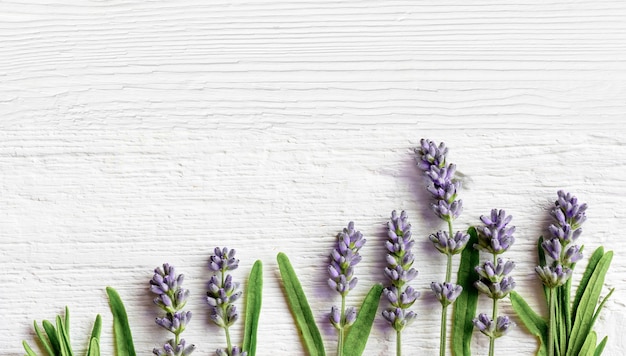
(335, 317)
(495, 237)
(447, 245)
(429, 154)
(446, 292)
(553, 276)
(350, 316)
(493, 330)
(573, 255)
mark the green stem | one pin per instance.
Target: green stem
(398, 343)
(552, 326)
(494, 317)
(341, 326)
(442, 336)
(444, 309)
(228, 344)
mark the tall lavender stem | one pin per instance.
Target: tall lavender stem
(343, 258)
(431, 158)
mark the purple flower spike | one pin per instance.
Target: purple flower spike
(171, 297)
(446, 292)
(442, 186)
(223, 260)
(562, 254)
(343, 259)
(222, 293)
(495, 237)
(399, 271)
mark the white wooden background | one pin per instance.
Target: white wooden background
(139, 132)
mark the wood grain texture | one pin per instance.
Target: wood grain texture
(138, 132)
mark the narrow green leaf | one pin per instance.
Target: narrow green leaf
(121, 329)
(254, 293)
(44, 341)
(589, 347)
(94, 347)
(51, 332)
(583, 322)
(601, 346)
(584, 281)
(300, 309)
(28, 350)
(66, 325)
(64, 339)
(534, 323)
(465, 305)
(95, 337)
(359, 332)
(599, 308)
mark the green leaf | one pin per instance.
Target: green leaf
(64, 338)
(534, 323)
(359, 332)
(465, 305)
(254, 293)
(300, 309)
(44, 341)
(29, 351)
(589, 347)
(584, 281)
(94, 347)
(121, 329)
(601, 346)
(52, 336)
(584, 319)
(94, 344)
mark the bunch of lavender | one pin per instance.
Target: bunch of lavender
(559, 248)
(431, 159)
(495, 237)
(171, 297)
(344, 257)
(569, 329)
(222, 294)
(400, 272)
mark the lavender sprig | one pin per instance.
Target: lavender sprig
(222, 293)
(344, 257)
(561, 254)
(171, 297)
(400, 272)
(444, 189)
(494, 237)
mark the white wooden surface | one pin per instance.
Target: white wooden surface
(140, 132)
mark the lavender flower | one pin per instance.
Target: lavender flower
(495, 237)
(222, 294)
(449, 245)
(344, 257)
(171, 297)
(442, 186)
(446, 292)
(493, 330)
(399, 271)
(559, 248)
